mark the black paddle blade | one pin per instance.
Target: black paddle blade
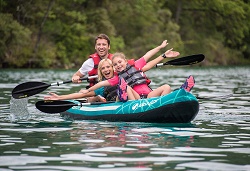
(28, 89)
(56, 106)
(187, 60)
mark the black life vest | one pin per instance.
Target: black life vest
(110, 93)
(133, 76)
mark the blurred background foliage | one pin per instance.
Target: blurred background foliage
(60, 34)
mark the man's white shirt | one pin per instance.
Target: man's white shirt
(87, 66)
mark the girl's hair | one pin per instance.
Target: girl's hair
(119, 54)
(100, 75)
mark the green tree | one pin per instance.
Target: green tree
(143, 25)
(14, 42)
(50, 33)
(218, 28)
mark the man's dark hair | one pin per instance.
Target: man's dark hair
(103, 36)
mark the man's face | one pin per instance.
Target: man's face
(102, 47)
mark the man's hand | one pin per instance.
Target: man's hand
(76, 79)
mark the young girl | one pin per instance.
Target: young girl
(133, 74)
(105, 71)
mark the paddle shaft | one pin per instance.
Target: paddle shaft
(52, 84)
(31, 88)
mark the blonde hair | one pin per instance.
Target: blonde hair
(100, 75)
(119, 55)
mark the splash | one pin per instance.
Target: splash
(18, 109)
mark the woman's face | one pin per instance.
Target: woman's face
(119, 64)
(107, 70)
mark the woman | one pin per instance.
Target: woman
(105, 71)
(133, 74)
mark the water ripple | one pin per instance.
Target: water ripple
(219, 135)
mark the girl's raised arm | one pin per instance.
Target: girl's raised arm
(168, 54)
(152, 52)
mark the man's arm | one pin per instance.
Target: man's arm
(87, 66)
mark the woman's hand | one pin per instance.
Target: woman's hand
(53, 96)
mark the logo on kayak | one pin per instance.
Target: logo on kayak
(137, 105)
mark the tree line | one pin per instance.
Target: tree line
(60, 34)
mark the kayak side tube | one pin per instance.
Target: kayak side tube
(177, 107)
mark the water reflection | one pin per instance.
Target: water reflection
(219, 136)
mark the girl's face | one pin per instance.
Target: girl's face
(119, 64)
(107, 70)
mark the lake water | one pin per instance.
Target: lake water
(217, 139)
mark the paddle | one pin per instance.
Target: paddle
(58, 106)
(31, 88)
(187, 60)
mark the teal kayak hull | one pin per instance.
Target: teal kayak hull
(179, 106)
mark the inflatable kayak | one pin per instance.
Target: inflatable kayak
(179, 106)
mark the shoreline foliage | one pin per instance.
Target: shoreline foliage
(60, 34)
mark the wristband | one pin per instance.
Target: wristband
(163, 55)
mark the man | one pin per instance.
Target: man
(90, 66)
